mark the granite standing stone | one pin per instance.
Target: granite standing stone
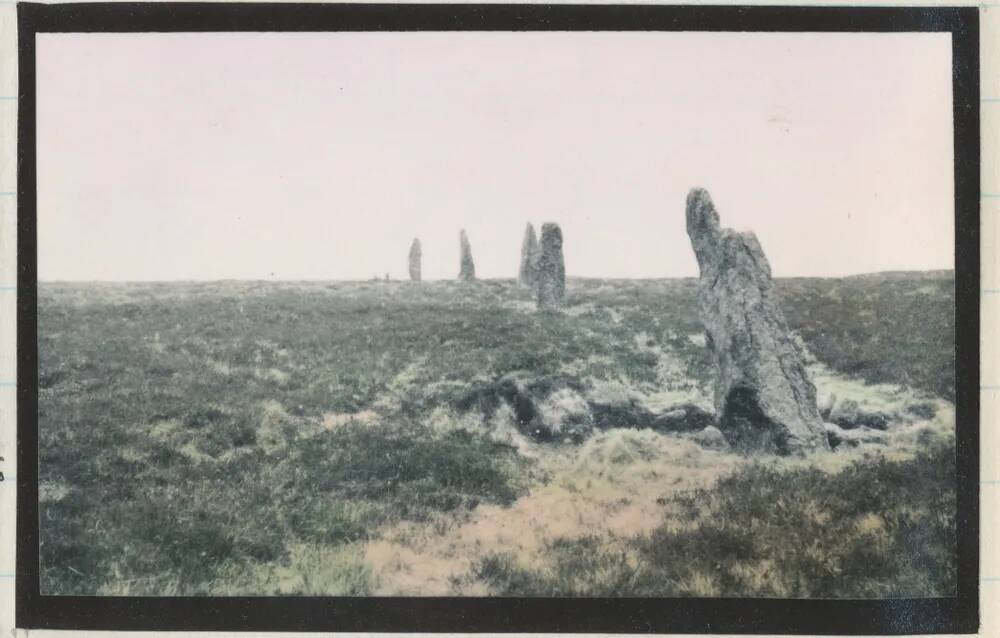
(528, 273)
(551, 284)
(764, 399)
(415, 256)
(467, 268)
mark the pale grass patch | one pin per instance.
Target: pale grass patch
(220, 367)
(391, 399)
(519, 306)
(870, 523)
(612, 391)
(582, 367)
(133, 454)
(673, 386)
(274, 375)
(905, 430)
(699, 584)
(337, 420)
(609, 486)
(878, 397)
(698, 339)
(760, 576)
(156, 345)
(311, 570)
(50, 492)
(443, 420)
(274, 418)
(580, 310)
(165, 430)
(191, 451)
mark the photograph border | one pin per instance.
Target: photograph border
(959, 614)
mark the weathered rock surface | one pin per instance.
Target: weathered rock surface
(841, 438)
(764, 399)
(527, 275)
(686, 417)
(467, 268)
(710, 437)
(551, 284)
(415, 256)
(849, 414)
(544, 408)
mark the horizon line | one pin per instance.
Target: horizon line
(942, 271)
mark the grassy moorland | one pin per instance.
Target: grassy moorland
(373, 438)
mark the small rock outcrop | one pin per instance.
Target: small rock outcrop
(686, 417)
(551, 284)
(467, 268)
(710, 437)
(843, 439)
(764, 400)
(849, 415)
(415, 256)
(527, 275)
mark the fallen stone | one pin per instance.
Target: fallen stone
(849, 414)
(763, 397)
(686, 417)
(620, 414)
(710, 438)
(841, 438)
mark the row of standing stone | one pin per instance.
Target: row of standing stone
(542, 267)
(764, 399)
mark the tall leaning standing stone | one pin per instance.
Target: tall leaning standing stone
(467, 269)
(528, 273)
(551, 283)
(415, 256)
(764, 400)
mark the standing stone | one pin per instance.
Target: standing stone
(764, 401)
(528, 273)
(415, 256)
(551, 283)
(467, 269)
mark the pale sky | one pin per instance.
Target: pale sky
(321, 156)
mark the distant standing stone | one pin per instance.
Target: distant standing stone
(764, 400)
(415, 256)
(551, 283)
(467, 268)
(528, 273)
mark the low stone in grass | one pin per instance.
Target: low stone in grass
(710, 438)
(841, 439)
(686, 417)
(544, 408)
(849, 414)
